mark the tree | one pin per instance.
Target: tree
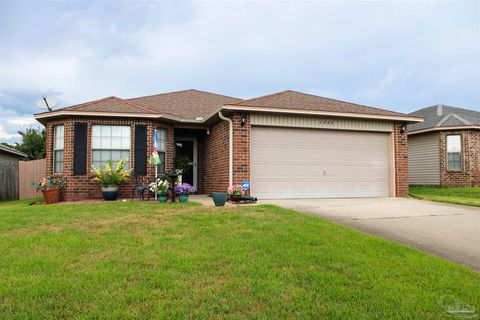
(33, 143)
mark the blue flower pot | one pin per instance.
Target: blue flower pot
(110, 193)
(183, 198)
(219, 198)
(162, 198)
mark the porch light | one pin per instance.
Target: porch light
(403, 128)
(243, 119)
(208, 131)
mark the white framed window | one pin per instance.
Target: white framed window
(454, 152)
(162, 142)
(58, 148)
(110, 143)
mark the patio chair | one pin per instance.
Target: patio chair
(140, 187)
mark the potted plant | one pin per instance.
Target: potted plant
(110, 178)
(181, 163)
(50, 188)
(235, 192)
(183, 190)
(161, 187)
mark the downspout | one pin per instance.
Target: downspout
(230, 147)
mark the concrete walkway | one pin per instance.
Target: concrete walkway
(449, 231)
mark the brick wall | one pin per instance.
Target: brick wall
(241, 148)
(213, 155)
(469, 175)
(401, 161)
(80, 187)
(213, 159)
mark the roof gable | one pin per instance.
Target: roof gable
(109, 104)
(290, 99)
(188, 104)
(442, 116)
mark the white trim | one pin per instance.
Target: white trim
(103, 149)
(47, 115)
(443, 129)
(95, 114)
(195, 155)
(55, 148)
(324, 113)
(461, 152)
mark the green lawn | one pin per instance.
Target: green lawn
(467, 196)
(145, 260)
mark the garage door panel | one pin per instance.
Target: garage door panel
(307, 163)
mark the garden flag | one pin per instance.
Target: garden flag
(154, 158)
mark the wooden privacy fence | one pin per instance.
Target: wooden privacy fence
(8, 179)
(29, 171)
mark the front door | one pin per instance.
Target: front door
(187, 148)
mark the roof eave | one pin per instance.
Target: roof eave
(433, 129)
(42, 117)
(407, 119)
(14, 152)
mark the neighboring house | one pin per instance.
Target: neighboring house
(9, 158)
(288, 144)
(445, 149)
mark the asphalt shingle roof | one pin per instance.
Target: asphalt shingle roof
(110, 104)
(12, 151)
(187, 104)
(449, 117)
(302, 101)
(192, 104)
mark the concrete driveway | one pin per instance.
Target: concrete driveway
(449, 231)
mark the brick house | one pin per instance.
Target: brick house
(444, 150)
(288, 144)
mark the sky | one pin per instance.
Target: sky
(401, 56)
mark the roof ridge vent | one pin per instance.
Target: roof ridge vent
(440, 110)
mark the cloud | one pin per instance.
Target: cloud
(402, 55)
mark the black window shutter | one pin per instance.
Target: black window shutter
(80, 149)
(140, 150)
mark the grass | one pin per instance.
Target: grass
(185, 261)
(465, 195)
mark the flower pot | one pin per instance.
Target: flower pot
(183, 198)
(235, 198)
(162, 198)
(219, 198)
(51, 196)
(110, 193)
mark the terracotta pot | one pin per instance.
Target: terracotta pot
(51, 196)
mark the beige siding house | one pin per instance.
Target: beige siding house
(424, 159)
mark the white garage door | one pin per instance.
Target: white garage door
(309, 163)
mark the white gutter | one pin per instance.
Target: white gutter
(230, 147)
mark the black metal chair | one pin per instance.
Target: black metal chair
(140, 188)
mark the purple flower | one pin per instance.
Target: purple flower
(184, 188)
